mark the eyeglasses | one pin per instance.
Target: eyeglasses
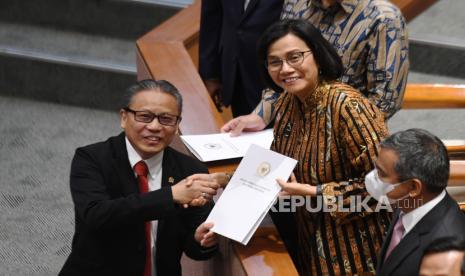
(293, 59)
(147, 117)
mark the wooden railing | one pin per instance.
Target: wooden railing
(265, 254)
(427, 96)
(457, 177)
(170, 52)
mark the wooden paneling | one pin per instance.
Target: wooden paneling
(266, 255)
(142, 70)
(183, 26)
(167, 52)
(223, 165)
(456, 148)
(193, 50)
(457, 173)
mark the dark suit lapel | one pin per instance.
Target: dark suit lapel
(387, 239)
(248, 11)
(237, 8)
(408, 244)
(123, 167)
(169, 177)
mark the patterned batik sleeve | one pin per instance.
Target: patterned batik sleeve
(266, 107)
(388, 64)
(362, 127)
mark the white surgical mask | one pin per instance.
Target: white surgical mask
(379, 189)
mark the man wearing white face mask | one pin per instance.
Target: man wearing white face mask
(412, 171)
(379, 190)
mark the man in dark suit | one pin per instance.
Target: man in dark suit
(411, 172)
(229, 30)
(127, 193)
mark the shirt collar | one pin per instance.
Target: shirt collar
(153, 163)
(410, 219)
(347, 5)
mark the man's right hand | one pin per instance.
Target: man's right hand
(188, 189)
(251, 122)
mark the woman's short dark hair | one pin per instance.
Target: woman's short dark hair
(149, 84)
(327, 59)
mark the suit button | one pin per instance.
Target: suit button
(239, 32)
(140, 247)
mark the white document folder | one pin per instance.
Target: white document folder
(218, 146)
(250, 193)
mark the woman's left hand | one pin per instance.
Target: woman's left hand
(294, 188)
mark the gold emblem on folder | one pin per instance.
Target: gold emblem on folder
(263, 169)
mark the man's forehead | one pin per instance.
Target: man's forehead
(153, 97)
(387, 155)
(386, 159)
(150, 93)
(435, 263)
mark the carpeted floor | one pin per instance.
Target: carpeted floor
(36, 146)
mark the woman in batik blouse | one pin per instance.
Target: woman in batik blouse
(333, 131)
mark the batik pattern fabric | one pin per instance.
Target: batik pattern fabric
(334, 136)
(371, 38)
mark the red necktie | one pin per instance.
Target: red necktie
(141, 170)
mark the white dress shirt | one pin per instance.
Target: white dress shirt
(410, 219)
(154, 164)
(246, 3)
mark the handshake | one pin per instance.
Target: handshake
(198, 189)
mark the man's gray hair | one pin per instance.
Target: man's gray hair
(422, 156)
(156, 85)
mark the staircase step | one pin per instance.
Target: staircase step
(64, 83)
(68, 67)
(420, 77)
(437, 58)
(443, 20)
(437, 40)
(125, 19)
(441, 122)
(169, 3)
(66, 47)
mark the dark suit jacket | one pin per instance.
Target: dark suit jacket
(228, 37)
(110, 214)
(444, 220)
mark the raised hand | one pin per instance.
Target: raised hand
(251, 122)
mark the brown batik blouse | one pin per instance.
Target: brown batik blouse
(334, 136)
